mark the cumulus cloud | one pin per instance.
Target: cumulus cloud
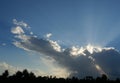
(79, 61)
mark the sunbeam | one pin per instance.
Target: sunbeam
(80, 59)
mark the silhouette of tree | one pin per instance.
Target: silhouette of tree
(5, 74)
(25, 76)
(117, 80)
(25, 73)
(98, 79)
(31, 75)
(89, 78)
(104, 77)
(19, 74)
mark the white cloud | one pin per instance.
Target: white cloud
(76, 51)
(53, 49)
(55, 45)
(92, 48)
(79, 65)
(20, 23)
(17, 30)
(48, 35)
(91, 63)
(109, 48)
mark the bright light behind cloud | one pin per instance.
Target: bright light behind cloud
(79, 61)
(92, 48)
(76, 51)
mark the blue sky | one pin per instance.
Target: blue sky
(71, 18)
(71, 23)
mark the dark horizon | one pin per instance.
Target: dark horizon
(26, 76)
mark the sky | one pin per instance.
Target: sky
(33, 32)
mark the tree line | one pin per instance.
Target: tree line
(25, 76)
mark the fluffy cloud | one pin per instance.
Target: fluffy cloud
(55, 45)
(79, 61)
(17, 30)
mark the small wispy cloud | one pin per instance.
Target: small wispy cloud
(48, 35)
(4, 44)
(20, 23)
